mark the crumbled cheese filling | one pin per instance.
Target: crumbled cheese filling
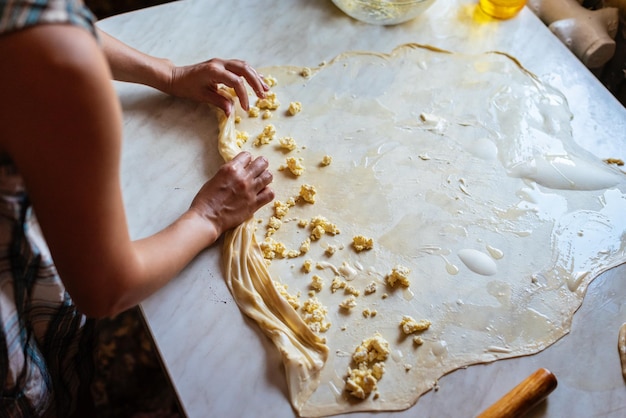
(269, 102)
(314, 315)
(337, 284)
(282, 208)
(265, 137)
(370, 288)
(399, 274)
(253, 112)
(361, 243)
(294, 108)
(287, 143)
(305, 246)
(241, 138)
(410, 325)
(295, 165)
(351, 290)
(307, 193)
(368, 357)
(270, 81)
(317, 283)
(348, 303)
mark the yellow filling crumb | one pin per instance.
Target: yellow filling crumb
(361, 243)
(314, 315)
(337, 284)
(294, 108)
(287, 143)
(370, 288)
(268, 134)
(270, 81)
(295, 166)
(327, 226)
(271, 249)
(317, 283)
(270, 102)
(241, 138)
(348, 303)
(282, 208)
(362, 380)
(308, 192)
(351, 290)
(305, 246)
(368, 313)
(330, 250)
(274, 223)
(253, 112)
(399, 274)
(410, 325)
(371, 349)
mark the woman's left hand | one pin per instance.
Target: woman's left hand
(201, 82)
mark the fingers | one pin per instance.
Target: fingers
(242, 159)
(224, 103)
(236, 82)
(265, 196)
(256, 169)
(203, 82)
(258, 166)
(243, 69)
(236, 71)
(261, 175)
(263, 180)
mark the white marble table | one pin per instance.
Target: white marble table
(219, 362)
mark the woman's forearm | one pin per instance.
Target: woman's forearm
(130, 65)
(158, 258)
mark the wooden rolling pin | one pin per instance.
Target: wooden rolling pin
(523, 397)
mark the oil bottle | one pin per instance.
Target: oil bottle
(501, 9)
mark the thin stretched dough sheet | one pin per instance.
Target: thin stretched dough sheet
(462, 169)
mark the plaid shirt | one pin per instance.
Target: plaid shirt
(19, 14)
(45, 343)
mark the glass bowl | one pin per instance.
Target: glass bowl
(383, 12)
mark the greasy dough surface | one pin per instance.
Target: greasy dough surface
(460, 168)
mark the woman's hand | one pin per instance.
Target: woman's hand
(238, 189)
(201, 82)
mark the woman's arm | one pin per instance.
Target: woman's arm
(60, 122)
(199, 82)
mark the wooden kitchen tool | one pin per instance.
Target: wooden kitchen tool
(523, 397)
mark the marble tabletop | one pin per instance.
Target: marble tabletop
(218, 360)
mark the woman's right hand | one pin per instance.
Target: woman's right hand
(239, 188)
